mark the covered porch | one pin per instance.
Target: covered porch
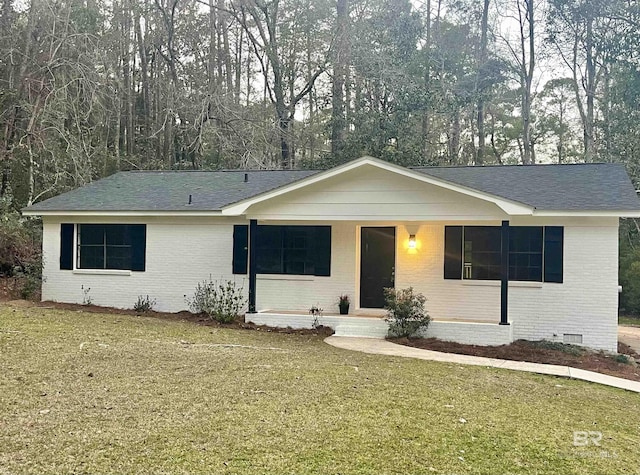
(362, 229)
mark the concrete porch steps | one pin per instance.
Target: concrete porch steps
(372, 329)
(467, 332)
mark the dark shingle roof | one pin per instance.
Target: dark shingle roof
(170, 190)
(587, 186)
(590, 187)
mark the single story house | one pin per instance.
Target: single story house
(501, 252)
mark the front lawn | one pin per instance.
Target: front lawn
(94, 393)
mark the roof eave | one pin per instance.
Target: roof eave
(630, 213)
(28, 212)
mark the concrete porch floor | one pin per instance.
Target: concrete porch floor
(372, 325)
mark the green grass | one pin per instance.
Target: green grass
(633, 321)
(92, 393)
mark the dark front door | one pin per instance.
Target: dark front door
(377, 264)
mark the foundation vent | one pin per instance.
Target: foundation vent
(572, 338)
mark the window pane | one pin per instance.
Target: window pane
(269, 237)
(92, 257)
(269, 250)
(269, 261)
(298, 252)
(118, 257)
(91, 234)
(117, 234)
(482, 246)
(525, 253)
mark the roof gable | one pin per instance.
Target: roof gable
(369, 193)
(508, 206)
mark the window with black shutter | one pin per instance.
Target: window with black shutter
(112, 246)
(474, 253)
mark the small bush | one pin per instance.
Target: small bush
(406, 314)
(221, 301)
(86, 295)
(624, 359)
(144, 304)
(567, 348)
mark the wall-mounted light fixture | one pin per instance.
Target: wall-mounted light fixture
(412, 241)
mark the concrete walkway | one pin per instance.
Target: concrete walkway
(383, 347)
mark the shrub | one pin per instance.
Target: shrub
(624, 359)
(219, 300)
(144, 304)
(406, 314)
(567, 348)
(20, 250)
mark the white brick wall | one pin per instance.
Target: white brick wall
(301, 292)
(179, 254)
(585, 303)
(471, 333)
(182, 252)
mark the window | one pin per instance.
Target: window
(111, 246)
(474, 252)
(293, 250)
(525, 253)
(482, 247)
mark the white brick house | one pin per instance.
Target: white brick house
(501, 253)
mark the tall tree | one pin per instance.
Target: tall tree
(482, 60)
(266, 37)
(340, 62)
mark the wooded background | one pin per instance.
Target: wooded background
(89, 87)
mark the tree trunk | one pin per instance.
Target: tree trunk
(589, 141)
(426, 116)
(454, 138)
(340, 65)
(481, 63)
(526, 76)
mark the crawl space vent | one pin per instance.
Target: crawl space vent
(572, 338)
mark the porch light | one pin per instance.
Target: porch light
(412, 241)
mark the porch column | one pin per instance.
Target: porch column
(504, 287)
(253, 231)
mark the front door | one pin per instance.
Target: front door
(377, 264)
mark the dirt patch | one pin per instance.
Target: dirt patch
(197, 319)
(541, 352)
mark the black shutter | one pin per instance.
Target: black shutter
(240, 248)
(66, 246)
(323, 250)
(553, 253)
(453, 252)
(138, 233)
